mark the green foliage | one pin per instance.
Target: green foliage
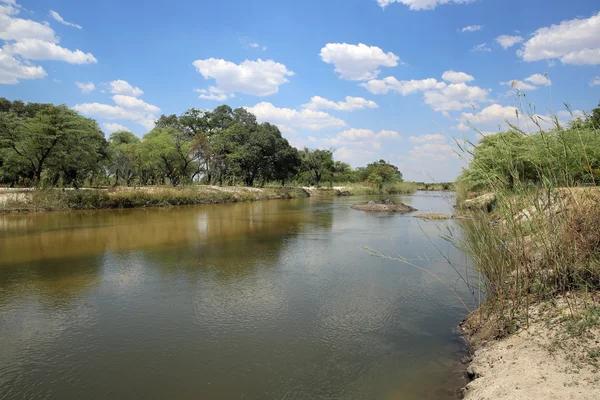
(38, 138)
(560, 157)
(376, 180)
(51, 146)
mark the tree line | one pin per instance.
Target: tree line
(50, 145)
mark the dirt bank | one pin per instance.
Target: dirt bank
(555, 357)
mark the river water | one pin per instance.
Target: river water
(266, 300)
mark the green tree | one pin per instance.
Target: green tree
(318, 164)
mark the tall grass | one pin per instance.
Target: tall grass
(542, 238)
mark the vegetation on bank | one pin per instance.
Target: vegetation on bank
(48, 146)
(90, 199)
(541, 240)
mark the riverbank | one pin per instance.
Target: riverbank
(555, 357)
(537, 336)
(32, 200)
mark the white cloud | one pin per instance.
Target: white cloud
(455, 97)
(108, 111)
(481, 48)
(507, 41)
(457, 77)
(582, 57)
(421, 4)
(355, 157)
(384, 134)
(357, 62)
(30, 40)
(288, 119)
(127, 108)
(86, 87)
(359, 134)
(436, 151)
(253, 45)
(214, 93)
(595, 81)
(429, 138)
(576, 41)
(519, 85)
(12, 28)
(539, 80)
(472, 28)
(60, 20)
(350, 104)
(113, 127)
(11, 69)
(133, 103)
(403, 87)
(36, 49)
(259, 78)
(498, 117)
(123, 87)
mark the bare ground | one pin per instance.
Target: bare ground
(554, 358)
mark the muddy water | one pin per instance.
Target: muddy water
(273, 299)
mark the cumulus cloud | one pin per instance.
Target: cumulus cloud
(429, 138)
(507, 41)
(36, 49)
(127, 108)
(354, 134)
(539, 80)
(457, 77)
(11, 69)
(519, 85)
(288, 119)
(30, 40)
(355, 156)
(357, 62)
(350, 104)
(595, 81)
(133, 103)
(123, 87)
(85, 87)
(390, 83)
(575, 41)
(421, 4)
(214, 93)
(114, 127)
(455, 97)
(530, 83)
(258, 78)
(61, 20)
(13, 28)
(481, 48)
(472, 28)
(497, 117)
(435, 151)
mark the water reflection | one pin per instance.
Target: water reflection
(258, 300)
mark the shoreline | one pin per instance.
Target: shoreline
(28, 200)
(545, 360)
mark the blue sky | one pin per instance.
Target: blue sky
(395, 79)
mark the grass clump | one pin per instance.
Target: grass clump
(541, 240)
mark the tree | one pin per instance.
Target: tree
(318, 164)
(123, 152)
(388, 172)
(36, 137)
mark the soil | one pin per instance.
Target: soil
(546, 360)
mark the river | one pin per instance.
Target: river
(265, 300)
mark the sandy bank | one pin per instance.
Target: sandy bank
(554, 358)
